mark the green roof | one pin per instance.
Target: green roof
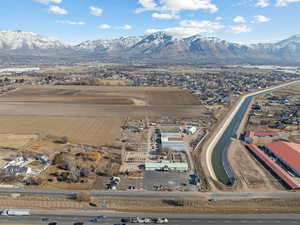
(166, 164)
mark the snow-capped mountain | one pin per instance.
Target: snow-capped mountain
(120, 43)
(14, 40)
(159, 47)
(288, 49)
(163, 47)
(26, 47)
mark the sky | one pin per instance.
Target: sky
(75, 21)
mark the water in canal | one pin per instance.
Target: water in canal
(219, 155)
(220, 163)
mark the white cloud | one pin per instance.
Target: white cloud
(126, 27)
(239, 19)
(262, 3)
(209, 26)
(104, 26)
(218, 18)
(70, 22)
(95, 11)
(58, 10)
(148, 4)
(177, 5)
(240, 29)
(261, 19)
(281, 3)
(189, 28)
(165, 16)
(49, 1)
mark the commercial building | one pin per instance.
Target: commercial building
(249, 135)
(286, 154)
(173, 141)
(166, 166)
(274, 166)
(18, 170)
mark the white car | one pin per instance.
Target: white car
(162, 221)
(144, 220)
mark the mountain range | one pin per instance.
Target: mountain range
(160, 47)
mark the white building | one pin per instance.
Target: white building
(173, 141)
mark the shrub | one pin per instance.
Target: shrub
(83, 197)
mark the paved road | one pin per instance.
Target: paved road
(182, 219)
(162, 195)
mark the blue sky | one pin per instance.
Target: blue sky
(73, 21)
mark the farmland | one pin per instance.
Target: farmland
(79, 130)
(85, 114)
(99, 102)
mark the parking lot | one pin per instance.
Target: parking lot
(158, 180)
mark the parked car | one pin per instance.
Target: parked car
(131, 188)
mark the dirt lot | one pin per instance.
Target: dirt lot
(15, 141)
(79, 130)
(87, 101)
(251, 175)
(100, 95)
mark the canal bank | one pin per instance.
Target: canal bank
(217, 152)
(219, 159)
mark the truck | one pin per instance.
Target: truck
(15, 212)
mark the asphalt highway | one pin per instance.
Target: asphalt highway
(184, 219)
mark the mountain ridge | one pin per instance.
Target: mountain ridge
(159, 47)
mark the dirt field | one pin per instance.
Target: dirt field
(99, 101)
(15, 141)
(251, 175)
(79, 130)
(100, 95)
(86, 114)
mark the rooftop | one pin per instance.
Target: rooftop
(251, 134)
(289, 152)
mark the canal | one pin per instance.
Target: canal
(219, 159)
(220, 163)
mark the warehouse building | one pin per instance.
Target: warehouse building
(249, 135)
(286, 154)
(173, 141)
(275, 167)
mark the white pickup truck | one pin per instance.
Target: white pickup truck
(15, 212)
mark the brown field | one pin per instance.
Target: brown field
(79, 130)
(15, 141)
(100, 95)
(85, 114)
(86, 101)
